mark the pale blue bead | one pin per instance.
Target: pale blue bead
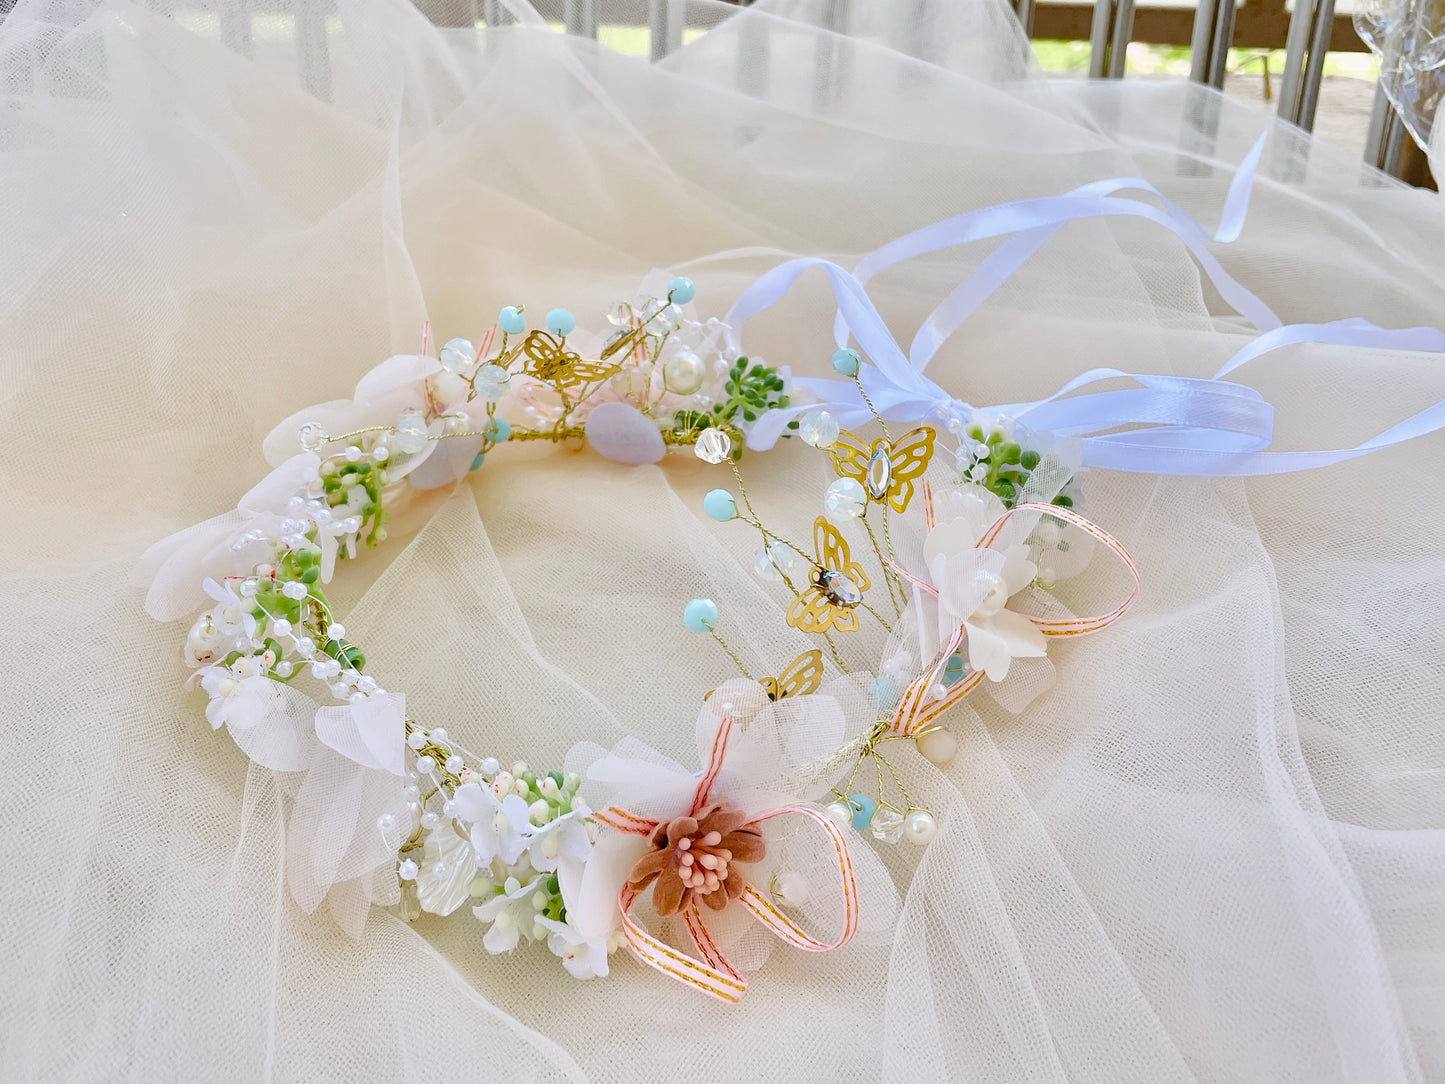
(681, 290)
(511, 320)
(719, 505)
(700, 614)
(561, 322)
(863, 808)
(498, 430)
(480, 458)
(846, 362)
(883, 693)
(952, 670)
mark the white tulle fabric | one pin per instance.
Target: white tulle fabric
(1213, 849)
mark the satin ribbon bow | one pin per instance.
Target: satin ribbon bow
(916, 711)
(711, 971)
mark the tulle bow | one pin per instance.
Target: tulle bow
(713, 973)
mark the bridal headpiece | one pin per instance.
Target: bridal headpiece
(949, 528)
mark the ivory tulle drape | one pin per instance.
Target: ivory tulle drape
(1215, 850)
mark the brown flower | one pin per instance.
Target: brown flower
(693, 856)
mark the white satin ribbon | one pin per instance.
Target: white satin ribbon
(1194, 427)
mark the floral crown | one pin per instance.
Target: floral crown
(950, 530)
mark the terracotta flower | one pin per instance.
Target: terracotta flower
(692, 858)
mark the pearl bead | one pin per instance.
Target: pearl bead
(416, 739)
(449, 808)
(681, 290)
(682, 374)
(380, 453)
(294, 591)
(341, 691)
(406, 870)
(439, 734)
(919, 827)
(458, 421)
(937, 745)
(281, 627)
(430, 820)
(490, 766)
(511, 320)
(454, 764)
(846, 362)
(284, 669)
(720, 505)
(386, 823)
(560, 322)
(411, 792)
(425, 764)
(839, 814)
(700, 614)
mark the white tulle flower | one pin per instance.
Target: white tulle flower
(974, 586)
(561, 838)
(233, 615)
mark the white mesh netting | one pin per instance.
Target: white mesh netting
(1214, 850)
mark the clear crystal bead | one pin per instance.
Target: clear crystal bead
(713, 446)
(313, 437)
(819, 429)
(620, 315)
(784, 556)
(886, 825)
(410, 432)
(880, 473)
(491, 382)
(844, 499)
(764, 567)
(457, 356)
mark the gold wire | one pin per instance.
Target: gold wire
(731, 654)
(872, 409)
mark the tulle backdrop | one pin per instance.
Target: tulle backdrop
(1215, 850)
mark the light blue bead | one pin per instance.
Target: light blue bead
(681, 290)
(863, 807)
(700, 614)
(511, 320)
(846, 362)
(719, 505)
(952, 670)
(561, 322)
(498, 430)
(883, 693)
(481, 457)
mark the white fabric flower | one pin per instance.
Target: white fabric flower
(238, 700)
(564, 837)
(974, 586)
(511, 915)
(371, 731)
(233, 616)
(500, 826)
(583, 957)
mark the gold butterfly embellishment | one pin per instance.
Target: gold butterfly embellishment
(838, 583)
(563, 369)
(886, 470)
(802, 676)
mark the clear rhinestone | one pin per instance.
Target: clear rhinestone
(713, 446)
(411, 432)
(457, 356)
(313, 437)
(491, 382)
(886, 825)
(818, 429)
(880, 473)
(844, 499)
(840, 588)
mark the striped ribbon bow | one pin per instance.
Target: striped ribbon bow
(916, 711)
(711, 971)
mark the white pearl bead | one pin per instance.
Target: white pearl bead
(416, 739)
(937, 745)
(490, 766)
(338, 631)
(406, 870)
(682, 373)
(430, 820)
(919, 827)
(455, 764)
(839, 814)
(425, 764)
(281, 627)
(439, 734)
(386, 823)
